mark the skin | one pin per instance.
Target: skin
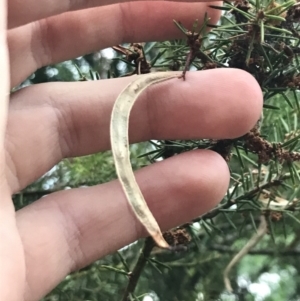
(41, 125)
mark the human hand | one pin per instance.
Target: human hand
(67, 230)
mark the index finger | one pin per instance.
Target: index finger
(23, 12)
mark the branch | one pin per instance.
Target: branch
(136, 273)
(261, 231)
(267, 252)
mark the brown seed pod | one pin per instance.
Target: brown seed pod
(120, 149)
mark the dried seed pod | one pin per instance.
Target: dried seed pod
(120, 149)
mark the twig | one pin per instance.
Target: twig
(136, 273)
(268, 252)
(261, 231)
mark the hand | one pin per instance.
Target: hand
(65, 231)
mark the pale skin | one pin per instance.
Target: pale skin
(42, 243)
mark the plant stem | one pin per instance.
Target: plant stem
(136, 273)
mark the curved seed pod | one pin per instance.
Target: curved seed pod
(120, 148)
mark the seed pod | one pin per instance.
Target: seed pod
(120, 148)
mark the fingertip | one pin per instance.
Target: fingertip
(251, 98)
(194, 182)
(210, 181)
(231, 101)
(216, 181)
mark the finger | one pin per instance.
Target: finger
(72, 119)
(74, 228)
(4, 82)
(12, 267)
(23, 12)
(73, 34)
